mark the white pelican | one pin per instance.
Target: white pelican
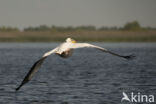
(64, 50)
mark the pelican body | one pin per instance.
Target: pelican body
(65, 50)
(66, 53)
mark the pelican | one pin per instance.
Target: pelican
(64, 50)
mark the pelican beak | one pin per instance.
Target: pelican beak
(73, 41)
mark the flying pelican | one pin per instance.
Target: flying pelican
(64, 50)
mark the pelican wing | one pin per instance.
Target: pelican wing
(83, 45)
(35, 68)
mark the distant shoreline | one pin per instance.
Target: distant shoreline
(91, 36)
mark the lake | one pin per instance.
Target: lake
(88, 77)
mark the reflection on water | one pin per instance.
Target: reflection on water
(92, 78)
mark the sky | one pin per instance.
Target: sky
(24, 13)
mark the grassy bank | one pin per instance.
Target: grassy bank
(95, 36)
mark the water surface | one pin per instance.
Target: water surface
(88, 77)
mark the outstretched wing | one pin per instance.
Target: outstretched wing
(83, 45)
(35, 68)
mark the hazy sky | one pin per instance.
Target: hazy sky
(23, 13)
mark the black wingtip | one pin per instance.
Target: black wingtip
(21, 85)
(129, 57)
(18, 87)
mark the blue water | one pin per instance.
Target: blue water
(88, 77)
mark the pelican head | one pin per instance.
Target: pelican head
(70, 40)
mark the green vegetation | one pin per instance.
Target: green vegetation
(58, 28)
(96, 36)
(130, 26)
(130, 32)
(8, 29)
(133, 26)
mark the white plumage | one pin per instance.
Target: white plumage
(64, 50)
